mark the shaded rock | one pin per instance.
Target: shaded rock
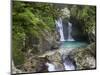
(35, 64)
(92, 48)
(83, 57)
(91, 37)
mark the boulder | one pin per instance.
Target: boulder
(84, 57)
(56, 60)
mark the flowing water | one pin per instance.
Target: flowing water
(69, 32)
(51, 67)
(66, 46)
(59, 26)
(68, 64)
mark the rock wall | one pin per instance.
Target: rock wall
(49, 42)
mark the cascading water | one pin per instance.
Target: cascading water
(59, 26)
(68, 45)
(69, 32)
(51, 67)
(68, 64)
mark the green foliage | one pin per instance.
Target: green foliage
(30, 21)
(86, 15)
(17, 54)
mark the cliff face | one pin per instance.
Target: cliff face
(49, 42)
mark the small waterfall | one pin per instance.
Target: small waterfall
(68, 64)
(51, 67)
(59, 26)
(69, 32)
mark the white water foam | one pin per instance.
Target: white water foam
(59, 26)
(51, 67)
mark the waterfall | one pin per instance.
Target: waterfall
(69, 32)
(68, 64)
(59, 26)
(51, 67)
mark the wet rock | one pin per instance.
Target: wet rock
(56, 60)
(58, 66)
(69, 64)
(83, 57)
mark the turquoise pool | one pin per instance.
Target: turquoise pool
(73, 44)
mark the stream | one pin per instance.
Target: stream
(67, 45)
(64, 50)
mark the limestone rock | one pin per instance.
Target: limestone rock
(92, 48)
(65, 13)
(56, 60)
(83, 57)
(49, 42)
